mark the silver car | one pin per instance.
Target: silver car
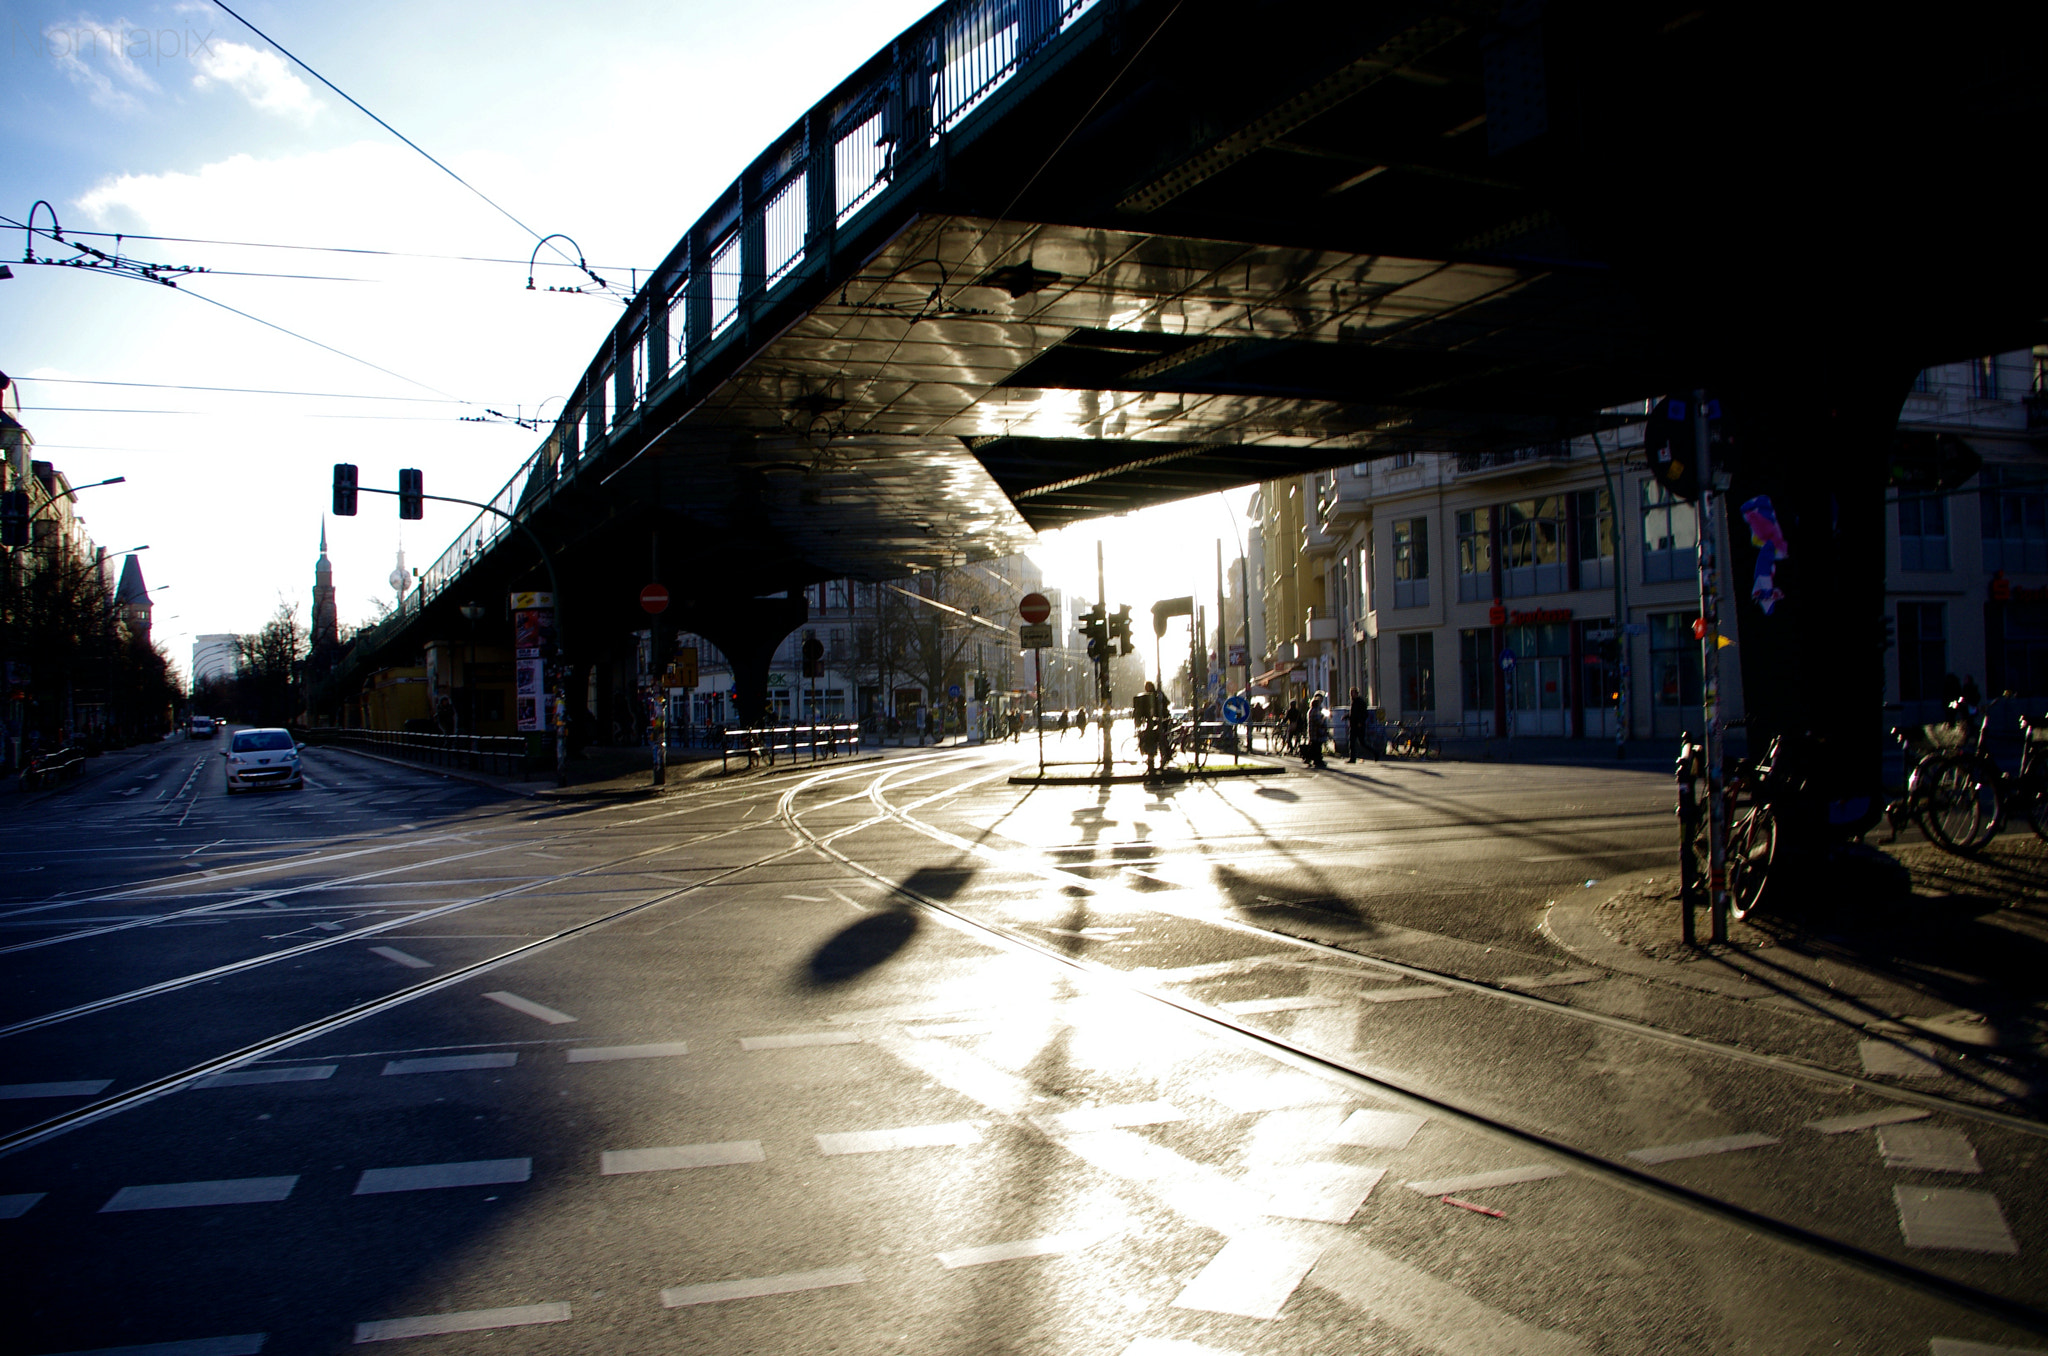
(262, 758)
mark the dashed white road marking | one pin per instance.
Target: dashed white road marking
(591, 1054)
(1479, 1181)
(473, 1320)
(1253, 1007)
(788, 1283)
(1439, 1315)
(1172, 1346)
(1251, 1277)
(1117, 1117)
(296, 1073)
(1251, 1092)
(1328, 1192)
(808, 899)
(405, 958)
(1964, 1221)
(1927, 1148)
(529, 1007)
(14, 1207)
(616, 1161)
(1050, 1245)
(1378, 1129)
(180, 1195)
(1700, 1148)
(83, 1088)
(952, 1029)
(1915, 1059)
(1404, 994)
(497, 1059)
(1865, 1120)
(435, 1176)
(952, 1133)
(799, 1040)
(242, 1344)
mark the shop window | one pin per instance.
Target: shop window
(1670, 536)
(1676, 674)
(1599, 666)
(1418, 671)
(1475, 555)
(1476, 667)
(1411, 563)
(1593, 528)
(1923, 650)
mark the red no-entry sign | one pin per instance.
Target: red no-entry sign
(654, 598)
(1034, 607)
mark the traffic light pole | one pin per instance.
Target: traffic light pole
(1710, 675)
(554, 587)
(1102, 664)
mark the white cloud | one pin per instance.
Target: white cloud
(261, 77)
(101, 57)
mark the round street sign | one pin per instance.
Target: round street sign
(1034, 607)
(1236, 710)
(654, 598)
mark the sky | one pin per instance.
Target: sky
(386, 342)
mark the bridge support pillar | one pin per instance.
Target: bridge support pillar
(748, 631)
(1813, 456)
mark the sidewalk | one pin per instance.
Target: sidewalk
(95, 767)
(1910, 940)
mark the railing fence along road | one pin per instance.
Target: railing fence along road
(500, 754)
(765, 743)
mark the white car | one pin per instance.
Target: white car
(262, 758)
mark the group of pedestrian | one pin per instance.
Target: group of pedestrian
(1308, 729)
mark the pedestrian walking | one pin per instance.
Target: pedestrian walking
(1318, 730)
(1295, 722)
(1063, 720)
(1360, 720)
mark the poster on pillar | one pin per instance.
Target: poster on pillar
(531, 695)
(533, 624)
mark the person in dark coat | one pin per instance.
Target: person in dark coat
(1361, 721)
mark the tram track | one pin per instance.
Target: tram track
(159, 1086)
(1405, 1091)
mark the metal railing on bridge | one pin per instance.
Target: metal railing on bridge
(501, 755)
(790, 743)
(879, 129)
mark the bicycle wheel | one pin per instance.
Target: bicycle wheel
(1752, 848)
(1958, 806)
(2037, 813)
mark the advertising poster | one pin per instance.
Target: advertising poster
(533, 623)
(530, 696)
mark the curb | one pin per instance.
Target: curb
(549, 793)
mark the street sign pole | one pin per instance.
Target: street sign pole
(1710, 675)
(1102, 664)
(1038, 702)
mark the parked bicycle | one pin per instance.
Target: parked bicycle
(1411, 741)
(1755, 793)
(1957, 792)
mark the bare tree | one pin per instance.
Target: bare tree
(267, 664)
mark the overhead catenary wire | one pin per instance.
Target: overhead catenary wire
(328, 249)
(494, 205)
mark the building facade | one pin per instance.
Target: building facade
(1496, 594)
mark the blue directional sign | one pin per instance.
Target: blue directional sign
(1236, 710)
(953, 691)
(1507, 659)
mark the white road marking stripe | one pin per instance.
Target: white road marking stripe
(297, 1073)
(474, 1320)
(1479, 1181)
(1438, 1314)
(1964, 1221)
(617, 1161)
(1050, 1245)
(1915, 1059)
(501, 1059)
(180, 1195)
(1700, 1148)
(1117, 1117)
(591, 1054)
(952, 1133)
(1378, 1129)
(1955, 1346)
(808, 899)
(1405, 994)
(243, 1344)
(434, 1176)
(1927, 1148)
(788, 1283)
(1252, 1007)
(1172, 1346)
(797, 1041)
(405, 958)
(952, 1029)
(1250, 1092)
(1327, 1192)
(1251, 1277)
(14, 1207)
(1865, 1120)
(1554, 980)
(85, 1088)
(529, 1007)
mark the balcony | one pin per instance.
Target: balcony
(1345, 498)
(1472, 464)
(1315, 541)
(1320, 628)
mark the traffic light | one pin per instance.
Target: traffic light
(814, 658)
(1120, 629)
(344, 490)
(1095, 627)
(1667, 445)
(981, 687)
(412, 495)
(14, 518)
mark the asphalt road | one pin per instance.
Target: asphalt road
(898, 1056)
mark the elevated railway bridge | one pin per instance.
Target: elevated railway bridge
(1041, 260)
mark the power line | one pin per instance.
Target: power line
(325, 249)
(247, 390)
(538, 237)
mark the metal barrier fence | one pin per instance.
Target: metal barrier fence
(500, 754)
(50, 768)
(765, 743)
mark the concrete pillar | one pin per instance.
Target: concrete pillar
(748, 631)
